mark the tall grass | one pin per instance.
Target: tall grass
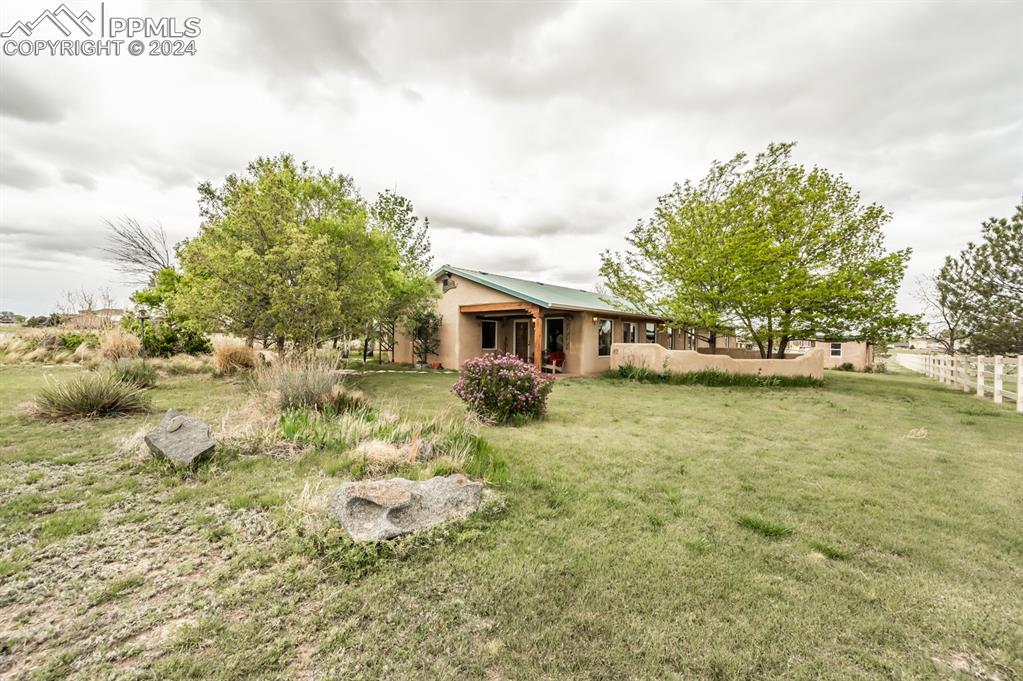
(307, 384)
(118, 344)
(90, 394)
(447, 443)
(713, 378)
(133, 371)
(230, 357)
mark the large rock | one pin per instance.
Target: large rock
(384, 509)
(181, 439)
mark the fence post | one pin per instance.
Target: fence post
(980, 375)
(965, 361)
(1019, 383)
(998, 379)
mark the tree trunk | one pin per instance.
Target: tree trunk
(782, 344)
(279, 342)
(712, 341)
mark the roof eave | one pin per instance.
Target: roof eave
(489, 284)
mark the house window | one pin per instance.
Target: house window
(604, 328)
(555, 338)
(836, 349)
(628, 332)
(489, 335)
(651, 332)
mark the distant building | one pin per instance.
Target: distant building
(102, 318)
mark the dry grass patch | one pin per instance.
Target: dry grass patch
(229, 357)
(118, 344)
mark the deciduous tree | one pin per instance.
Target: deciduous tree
(767, 246)
(285, 251)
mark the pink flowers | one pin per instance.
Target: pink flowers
(500, 387)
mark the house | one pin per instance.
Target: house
(543, 324)
(102, 318)
(839, 351)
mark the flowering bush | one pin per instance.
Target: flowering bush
(502, 387)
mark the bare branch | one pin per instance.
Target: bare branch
(136, 250)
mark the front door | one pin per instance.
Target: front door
(522, 338)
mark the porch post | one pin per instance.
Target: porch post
(537, 339)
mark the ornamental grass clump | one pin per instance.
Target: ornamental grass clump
(307, 384)
(133, 371)
(90, 394)
(502, 388)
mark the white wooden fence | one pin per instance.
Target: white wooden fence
(987, 376)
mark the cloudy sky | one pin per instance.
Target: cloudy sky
(533, 135)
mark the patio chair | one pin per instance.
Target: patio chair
(555, 363)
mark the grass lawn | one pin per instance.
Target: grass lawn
(872, 528)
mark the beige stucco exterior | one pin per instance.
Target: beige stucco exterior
(660, 359)
(461, 334)
(858, 353)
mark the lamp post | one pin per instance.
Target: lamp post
(142, 312)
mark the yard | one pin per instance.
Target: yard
(867, 529)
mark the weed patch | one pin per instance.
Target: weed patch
(765, 528)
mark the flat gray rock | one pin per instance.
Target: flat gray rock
(384, 509)
(181, 439)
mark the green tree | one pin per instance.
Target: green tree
(987, 280)
(395, 214)
(769, 247)
(284, 251)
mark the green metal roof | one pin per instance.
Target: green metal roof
(544, 295)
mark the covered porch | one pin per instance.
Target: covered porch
(534, 334)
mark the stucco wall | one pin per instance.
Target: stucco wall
(858, 353)
(460, 336)
(657, 358)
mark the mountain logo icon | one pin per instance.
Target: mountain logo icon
(62, 18)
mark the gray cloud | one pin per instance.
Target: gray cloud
(83, 180)
(25, 100)
(17, 173)
(533, 135)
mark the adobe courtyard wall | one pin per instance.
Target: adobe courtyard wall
(659, 359)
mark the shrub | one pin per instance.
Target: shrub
(71, 340)
(134, 372)
(118, 344)
(846, 366)
(503, 387)
(230, 357)
(90, 394)
(167, 337)
(713, 378)
(307, 385)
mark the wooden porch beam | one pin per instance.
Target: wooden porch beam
(537, 339)
(498, 307)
